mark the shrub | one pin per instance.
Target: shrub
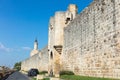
(66, 73)
(43, 72)
(46, 79)
(34, 79)
(17, 66)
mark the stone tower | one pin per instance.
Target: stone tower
(35, 50)
(57, 24)
(36, 45)
(73, 10)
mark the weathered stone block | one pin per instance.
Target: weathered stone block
(54, 78)
(40, 77)
(57, 75)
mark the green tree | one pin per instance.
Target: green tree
(17, 66)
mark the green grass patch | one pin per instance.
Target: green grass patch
(34, 79)
(66, 73)
(46, 79)
(43, 72)
(75, 77)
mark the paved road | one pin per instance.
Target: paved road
(18, 76)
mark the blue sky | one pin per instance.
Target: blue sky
(21, 21)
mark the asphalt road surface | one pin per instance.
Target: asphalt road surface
(18, 76)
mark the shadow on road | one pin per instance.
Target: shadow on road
(17, 76)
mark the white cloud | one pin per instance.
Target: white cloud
(26, 48)
(4, 48)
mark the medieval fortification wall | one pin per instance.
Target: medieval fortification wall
(87, 43)
(38, 61)
(92, 41)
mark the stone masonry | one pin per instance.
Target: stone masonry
(91, 41)
(56, 36)
(38, 60)
(87, 43)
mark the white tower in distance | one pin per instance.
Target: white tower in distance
(35, 50)
(36, 45)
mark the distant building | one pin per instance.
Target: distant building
(35, 50)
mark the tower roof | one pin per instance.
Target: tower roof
(36, 40)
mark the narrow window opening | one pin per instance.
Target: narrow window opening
(67, 20)
(51, 55)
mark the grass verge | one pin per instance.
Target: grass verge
(34, 79)
(75, 77)
(46, 79)
(43, 72)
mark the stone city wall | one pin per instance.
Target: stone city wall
(92, 41)
(56, 36)
(31, 62)
(39, 61)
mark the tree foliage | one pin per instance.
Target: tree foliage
(17, 66)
